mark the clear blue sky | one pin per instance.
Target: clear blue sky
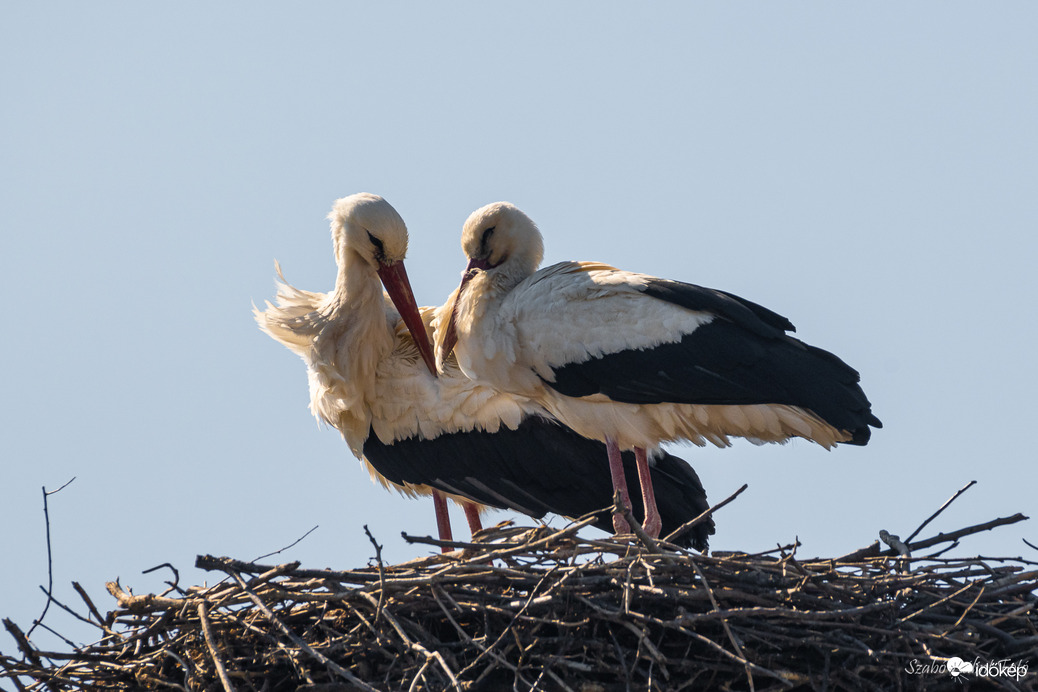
(869, 171)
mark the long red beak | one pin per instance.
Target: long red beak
(394, 278)
(450, 334)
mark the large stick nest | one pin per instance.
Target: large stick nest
(536, 608)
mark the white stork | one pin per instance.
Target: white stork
(423, 434)
(634, 360)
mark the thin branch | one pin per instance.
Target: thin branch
(174, 585)
(691, 524)
(873, 550)
(968, 531)
(940, 509)
(50, 562)
(381, 575)
(71, 612)
(22, 641)
(90, 606)
(290, 545)
(55, 492)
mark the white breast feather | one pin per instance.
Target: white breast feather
(411, 402)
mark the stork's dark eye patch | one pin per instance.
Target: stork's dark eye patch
(377, 243)
(486, 236)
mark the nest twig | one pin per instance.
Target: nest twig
(536, 608)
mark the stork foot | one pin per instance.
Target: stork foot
(620, 524)
(653, 525)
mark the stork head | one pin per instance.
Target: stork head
(500, 236)
(366, 228)
(503, 246)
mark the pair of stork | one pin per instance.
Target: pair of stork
(534, 382)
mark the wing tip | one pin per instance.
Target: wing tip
(860, 436)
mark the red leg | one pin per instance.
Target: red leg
(443, 520)
(616, 470)
(652, 522)
(472, 514)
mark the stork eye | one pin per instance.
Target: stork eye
(377, 243)
(486, 235)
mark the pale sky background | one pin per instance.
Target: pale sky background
(868, 170)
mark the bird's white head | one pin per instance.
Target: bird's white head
(500, 236)
(367, 226)
(368, 231)
(503, 246)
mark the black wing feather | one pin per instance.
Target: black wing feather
(538, 468)
(742, 356)
(746, 313)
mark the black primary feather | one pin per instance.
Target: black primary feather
(538, 468)
(742, 356)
